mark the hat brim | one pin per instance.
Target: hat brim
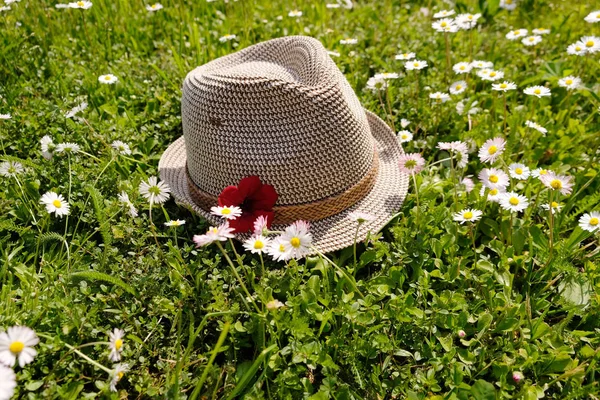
(331, 233)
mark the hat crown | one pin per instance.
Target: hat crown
(281, 110)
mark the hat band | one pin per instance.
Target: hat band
(307, 211)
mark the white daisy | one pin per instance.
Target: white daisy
(386, 75)
(490, 74)
(257, 244)
(590, 43)
(493, 194)
(124, 198)
(75, 110)
(590, 222)
(443, 14)
(508, 5)
(55, 203)
(121, 147)
(84, 5)
(504, 86)
(467, 215)
(227, 212)
(531, 40)
(405, 136)
(108, 79)
(570, 82)
(331, 5)
(555, 206)
(562, 183)
(404, 122)
(593, 17)
(8, 382)
(376, 84)
(462, 67)
(154, 7)
(175, 222)
(67, 147)
(11, 168)
(491, 150)
(445, 25)
(349, 41)
(439, 97)
(5, 116)
(519, 171)
(512, 201)
(17, 344)
(333, 53)
(517, 33)
(295, 14)
(405, 56)
(214, 233)
(277, 250)
(48, 147)
(540, 31)
(116, 344)
(493, 178)
(154, 191)
(538, 91)
(458, 87)
(467, 21)
(297, 239)
(533, 125)
(260, 226)
(479, 64)
(227, 38)
(415, 65)
(117, 375)
(539, 172)
(361, 217)
(467, 184)
(576, 49)
(457, 148)
(274, 305)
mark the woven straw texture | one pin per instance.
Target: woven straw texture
(282, 110)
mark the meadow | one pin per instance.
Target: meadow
(485, 285)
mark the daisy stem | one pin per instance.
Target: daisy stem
(237, 276)
(470, 46)
(504, 113)
(389, 103)
(354, 247)
(95, 363)
(417, 88)
(237, 256)
(510, 227)
(447, 56)
(472, 234)
(417, 197)
(551, 226)
(387, 116)
(25, 201)
(262, 264)
(453, 173)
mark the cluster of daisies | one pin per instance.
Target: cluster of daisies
(587, 44)
(85, 5)
(17, 348)
(452, 25)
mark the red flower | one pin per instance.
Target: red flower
(254, 198)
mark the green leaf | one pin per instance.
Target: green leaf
(99, 276)
(483, 390)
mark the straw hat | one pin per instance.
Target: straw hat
(283, 111)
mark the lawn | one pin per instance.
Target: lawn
(484, 285)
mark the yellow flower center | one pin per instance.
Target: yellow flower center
(493, 178)
(468, 215)
(213, 230)
(258, 245)
(556, 184)
(120, 375)
(516, 32)
(471, 17)
(589, 43)
(518, 171)
(153, 5)
(107, 78)
(514, 201)
(554, 204)
(226, 211)
(594, 221)
(503, 85)
(404, 136)
(56, 203)
(16, 347)
(537, 91)
(509, 1)
(531, 39)
(80, 3)
(462, 67)
(577, 48)
(492, 74)
(494, 192)
(416, 64)
(443, 24)
(281, 248)
(543, 172)
(295, 242)
(458, 87)
(492, 150)
(118, 344)
(569, 81)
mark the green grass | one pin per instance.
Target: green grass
(525, 304)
